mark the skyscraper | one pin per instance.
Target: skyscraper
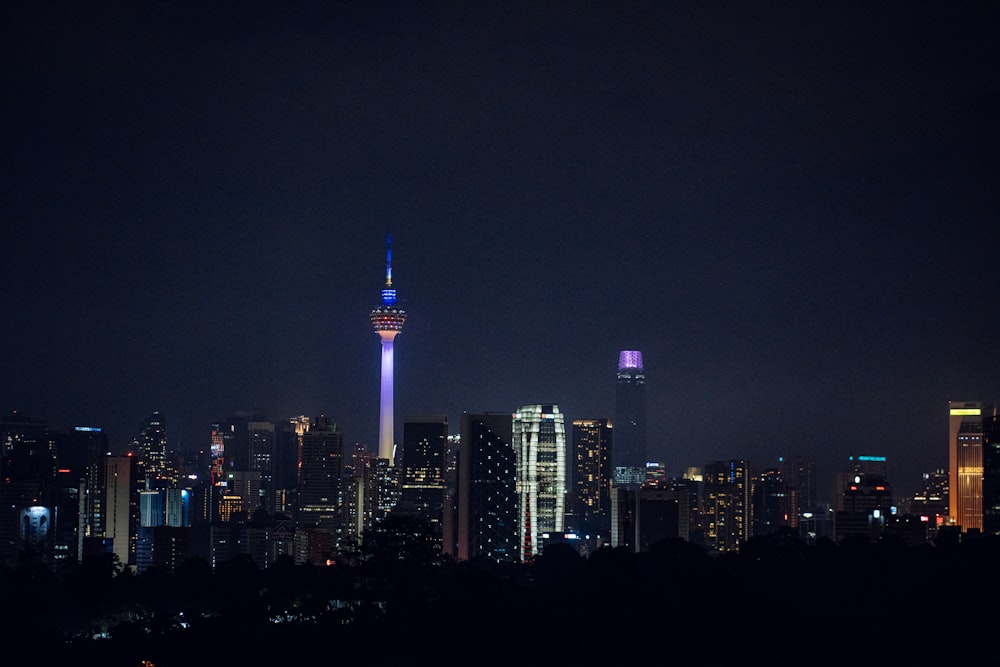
(629, 453)
(592, 444)
(486, 490)
(122, 507)
(727, 504)
(991, 475)
(151, 446)
(320, 475)
(387, 320)
(425, 452)
(540, 443)
(965, 463)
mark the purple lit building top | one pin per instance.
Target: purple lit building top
(629, 359)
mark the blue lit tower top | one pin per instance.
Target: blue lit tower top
(387, 320)
(388, 292)
(388, 317)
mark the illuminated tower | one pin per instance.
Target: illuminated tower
(965, 463)
(628, 455)
(387, 320)
(539, 440)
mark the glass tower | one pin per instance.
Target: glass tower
(425, 451)
(486, 493)
(540, 442)
(629, 454)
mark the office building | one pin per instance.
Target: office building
(422, 483)
(27, 464)
(88, 447)
(799, 476)
(540, 442)
(122, 507)
(774, 504)
(387, 319)
(727, 505)
(152, 508)
(865, 503)
(663, 514)
(319, 518)
(485, 500)
(320, 475)
(629, 456)
(965, 463)
(151, 452)
(246, 485)
(991, 475)
(262, 443)
(591, 478)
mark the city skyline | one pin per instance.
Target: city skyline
(788, 209)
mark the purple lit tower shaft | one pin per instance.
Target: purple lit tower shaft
(386, 416)
(387, 320)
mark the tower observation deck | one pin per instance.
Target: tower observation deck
(387, 320)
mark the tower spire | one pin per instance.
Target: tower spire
(388, 293)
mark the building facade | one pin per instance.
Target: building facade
(540, 442)
(991, 475)
(592, 442)
(320, 477)
(425, 454)
(965, 463)
(485, 499)
(630, 448)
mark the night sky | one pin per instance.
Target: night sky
(789, 208)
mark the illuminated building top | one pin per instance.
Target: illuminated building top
(388, 317)
(629, 359)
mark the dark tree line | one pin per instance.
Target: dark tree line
(777, 599)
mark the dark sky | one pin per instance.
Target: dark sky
(789, 208)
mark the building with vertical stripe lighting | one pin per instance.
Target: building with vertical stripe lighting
(965, 463)
(540, 443)
(387, 319)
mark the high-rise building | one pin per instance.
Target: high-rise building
(320, 515)
(151, 450)
(773, 503)
(663, 514)
(865, 500)
(89, 445)
(629, 456)
(320, 475)
(540, 442)
(29, 491)
(799, 475)
(262, 455)
(122, 507)
(592, 475)
(991, 476)
(387, 319)
(486, 517)
(727, 504)
(425, 452)
(965, 463)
